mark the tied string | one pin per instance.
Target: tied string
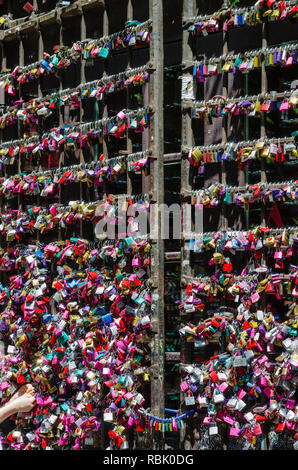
(43, 107)
(64, 57)
(233, 17)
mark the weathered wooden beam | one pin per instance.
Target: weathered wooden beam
(186, 142)
(86, 4)
(157, 184)
(71, 11)
(50, 17)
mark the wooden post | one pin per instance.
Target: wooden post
(186, 144)
(157, 179)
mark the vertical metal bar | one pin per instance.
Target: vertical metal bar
(157, 250)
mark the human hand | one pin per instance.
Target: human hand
(27, 388)
(24, 403)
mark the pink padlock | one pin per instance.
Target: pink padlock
(235, 432)
(263, 381)
(28, 7)
(262, 360)
(268, 392)
(290, 403)
(285, 106)
(136, 261)
(241, 394)
(184, 386)
(223, 387)
(255, 297)
(291, 425)
(257, 430)
(128, 396)
(228, 419)
(207, 420)
(121, 115)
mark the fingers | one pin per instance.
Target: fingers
(27, 388)
(31, 398)
(26, 402)
(30, 389)
(31, 404)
